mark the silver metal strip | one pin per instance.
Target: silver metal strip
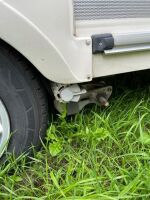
(132, 38)
(128, 49)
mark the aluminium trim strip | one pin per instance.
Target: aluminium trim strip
(127, 49)
(132, 38)
(130, 42)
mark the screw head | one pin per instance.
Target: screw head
(88, 77)
(88, 42)
(100, 44)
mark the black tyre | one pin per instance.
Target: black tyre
(23, 104)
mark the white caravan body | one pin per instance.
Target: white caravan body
(56, 36)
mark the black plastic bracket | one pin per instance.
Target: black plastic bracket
(102, 42)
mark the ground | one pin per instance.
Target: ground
(98, 154)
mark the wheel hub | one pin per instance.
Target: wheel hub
(4, 128)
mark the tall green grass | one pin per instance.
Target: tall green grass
(98, 154)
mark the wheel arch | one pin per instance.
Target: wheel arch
(24, 36)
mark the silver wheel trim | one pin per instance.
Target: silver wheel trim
(4, 128)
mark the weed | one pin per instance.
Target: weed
(97, 154)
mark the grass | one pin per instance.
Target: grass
(98, 154)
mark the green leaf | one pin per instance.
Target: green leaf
(56, 183)
(101, 133)
(145, 138)
(18, 179)
(55, 148)
(52, 137)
